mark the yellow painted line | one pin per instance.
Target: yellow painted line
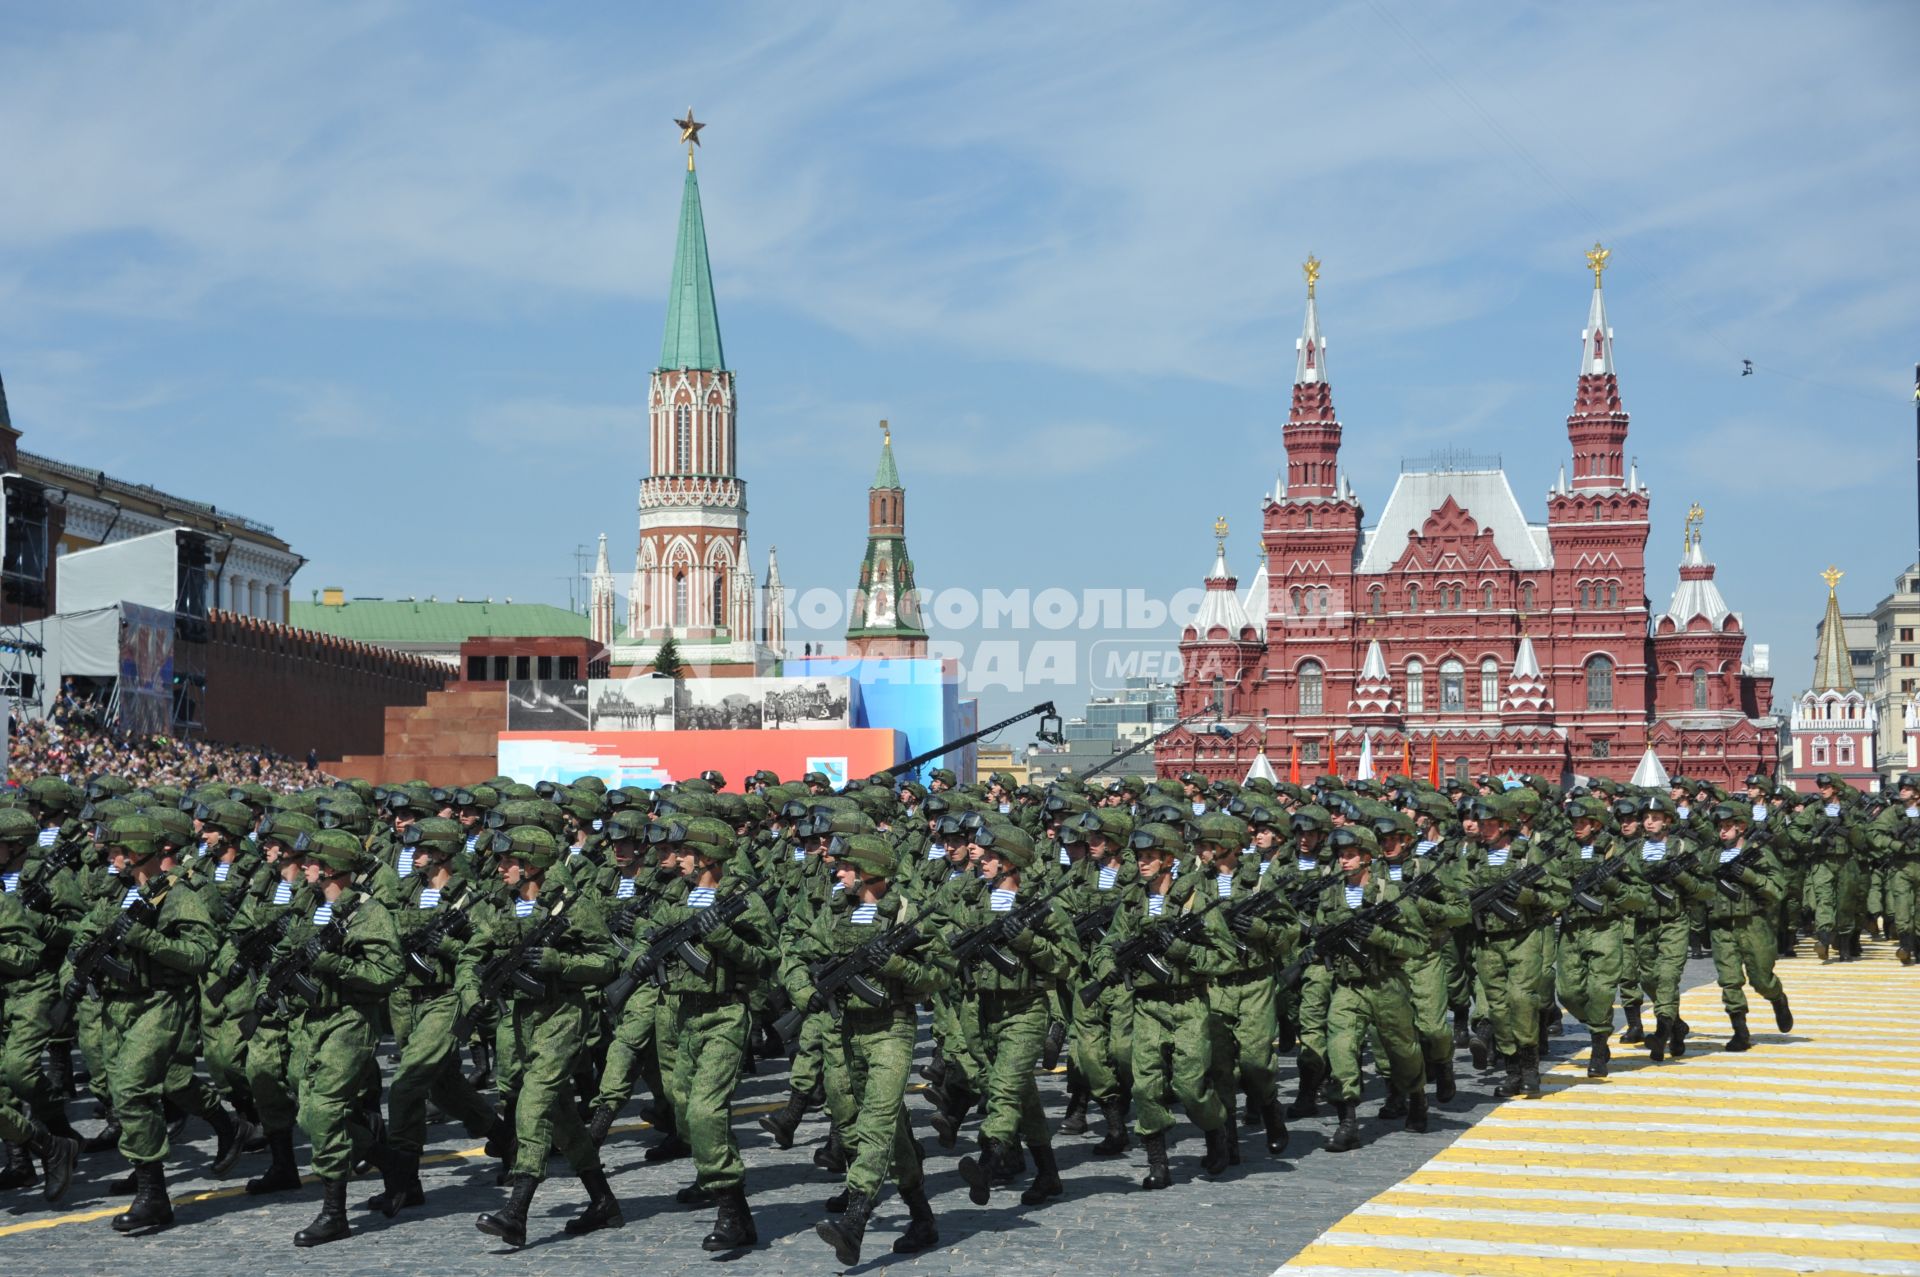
(1458, 1177)
(1691, 1115)
(1599, 1238)
(1600, 1099)
(1816, 1213)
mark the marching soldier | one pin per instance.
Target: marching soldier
(1747, 882)
(1606, 893)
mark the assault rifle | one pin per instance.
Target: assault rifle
(1661, 875)
(1587, 887)
(97, 957)
(1260, 903)
(1094, 922)
(1726, 875)
(35, 891)
(1142, 951)
(255, 951)
(506, 968)
(420, 949)
(1345, 935)
(679, 942)
(292, 971)
(987, 943)
(849, 974)
(620, 921)
(1497, 898)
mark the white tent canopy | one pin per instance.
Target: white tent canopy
(1262, 769)
(1650, 774)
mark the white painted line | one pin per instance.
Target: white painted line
(1783, 1178)
(1582, 1123)
(1812, 1205)
(1467, 1142)
(1743, 1261)
(1866, 1116)
(1644, 1224)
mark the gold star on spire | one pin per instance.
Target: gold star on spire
(1832, 577)
(690, 134)
(1220, 532)
(1596, 259)
(1311, 269)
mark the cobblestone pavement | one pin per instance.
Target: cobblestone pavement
(1103, 1224)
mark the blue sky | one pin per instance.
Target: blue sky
(391, 277)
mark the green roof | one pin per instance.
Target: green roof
(404, 621)
(887, 476)
(693, 324)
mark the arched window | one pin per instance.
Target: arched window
(1819, 751)
(1300, 602)
(1486, 597)
(1699, 689)
(1489, 685)
(1416, 686)
(1312, 688)
(1374, 600)
(1526, 595)
(1600, 683)
(1843, 751)
(680, 608)
(1309, 520)
(719, 599)
(1219, 695)
(1453, 687)
(1457, 596)
(1583, 596)
(683, 438)
(1413, 597)
(1613, 594)
(1322, 597)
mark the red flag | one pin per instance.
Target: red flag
(1293, 765)
(1406, 756)
(1433, 762)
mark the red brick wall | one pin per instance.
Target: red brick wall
(294, 690)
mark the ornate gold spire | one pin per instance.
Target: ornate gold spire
(1832, 577)
(886, 433)
(690, 134)
(1691, 537)
(1596, 258)
(1311, 269)
(1220, 534)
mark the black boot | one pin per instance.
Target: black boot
(400, 1184)
(1346, 1136)
(1462, 1024)
(108, 1138)
(60, 1070)
(330, 1225)
(283, 1173)
(1530, 1072)
(1822, 943)
(1289, 1035)
(1657, 1042)
(670, 1149)
(1230, 1134)
(231, 1137)
(1599, 1055)
(1635, 1032)
(1274, 1119)
(1417, 1111)
(1512, 1085)
(733, 1226)
(1214, 1160)
(1394, 1107)
(151, 1209)
(1307, 1103)
(1740, 1040)
(57, 1155)
(1480, 1045)
(831, 1156)
(845, 1230)
(979, 1172)
(1159, 1174)
(1444, 1086)
(603, 1208)
(1550, 1020)
(784, 1121)
(1677, 1044)
(601, 1124)
(510, 1223)
(1783, 1014)
(694, 1195)
(1113, 1117)
(19, 1172)
(1075, 1122)
(1046, 1177)
(921, 1233)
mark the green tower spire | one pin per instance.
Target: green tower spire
(693, 324)
(887, 475)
